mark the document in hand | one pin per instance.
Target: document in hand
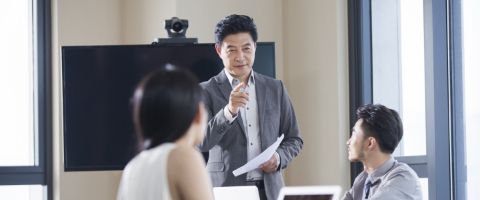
(260, 159)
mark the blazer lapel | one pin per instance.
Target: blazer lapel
(261, 91)
(223, 85)
(226, 88)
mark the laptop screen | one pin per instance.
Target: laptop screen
(309, 197)
(309, 193)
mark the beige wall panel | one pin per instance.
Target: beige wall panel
(316, 76)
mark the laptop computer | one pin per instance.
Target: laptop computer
(310, 193)
(236, 193)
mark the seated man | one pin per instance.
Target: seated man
(375, 136)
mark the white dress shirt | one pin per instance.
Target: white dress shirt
(249, 115)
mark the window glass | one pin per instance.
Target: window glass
(399, 69)
(16, 84)
(22, 192)
(471, 72)
(424, 185)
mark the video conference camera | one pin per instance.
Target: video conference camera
(176, 29)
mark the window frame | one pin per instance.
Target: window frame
(459, 168)
(40, 174)
(360, 64)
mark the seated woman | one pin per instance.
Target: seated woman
(170, 121)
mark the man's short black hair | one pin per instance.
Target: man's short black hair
(383, 124)
(234, 24)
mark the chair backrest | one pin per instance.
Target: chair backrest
(236, 193)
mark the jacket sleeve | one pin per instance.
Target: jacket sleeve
(217, 124)
(292, 142)
(348, 195)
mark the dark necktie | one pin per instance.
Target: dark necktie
(368, 185)
(366, 190)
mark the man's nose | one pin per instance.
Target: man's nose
(240, 57)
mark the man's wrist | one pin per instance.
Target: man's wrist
(228, 115)
(277, 156)
(231, 113)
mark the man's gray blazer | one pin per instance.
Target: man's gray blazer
(227, 143)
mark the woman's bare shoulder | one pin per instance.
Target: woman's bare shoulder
(187, 174)
(184, 157)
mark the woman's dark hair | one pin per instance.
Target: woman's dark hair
(165, 104)
(234, 24)
(383, 124)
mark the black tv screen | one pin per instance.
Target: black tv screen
(98, 83)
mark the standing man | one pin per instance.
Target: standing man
(247, 112)
(375, 136)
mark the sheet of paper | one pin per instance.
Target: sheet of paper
(260, 159)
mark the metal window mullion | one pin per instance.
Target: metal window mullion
(22, 178)
(417, 163)
(20, 169)
(45, 95)
(437, 99)
(458, 132)
(22, 175)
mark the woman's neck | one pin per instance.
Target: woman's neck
(187, 139)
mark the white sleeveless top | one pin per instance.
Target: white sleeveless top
(145, 176)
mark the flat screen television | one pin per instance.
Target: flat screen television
(98, 83)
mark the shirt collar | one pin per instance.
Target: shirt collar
(251, 78)
(382, 170)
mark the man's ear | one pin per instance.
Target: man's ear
(372, 143)
(218, 48)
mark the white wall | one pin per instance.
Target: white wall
(311, 47)
(143, 20)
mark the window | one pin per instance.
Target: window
(16, 81)
(398, 74)
(25, 130)
(412, 65)
(399, 68)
